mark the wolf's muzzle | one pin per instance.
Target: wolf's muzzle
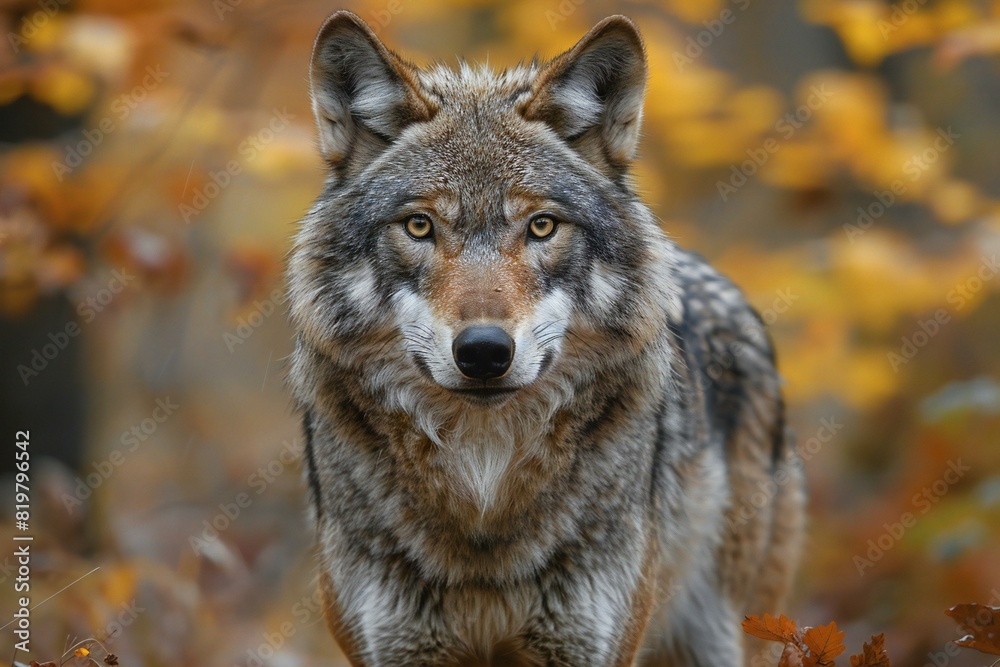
(483, 352)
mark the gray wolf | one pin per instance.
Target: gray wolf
(534, 423)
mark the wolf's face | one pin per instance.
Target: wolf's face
(477, 228)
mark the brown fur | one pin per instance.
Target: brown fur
(589, 505)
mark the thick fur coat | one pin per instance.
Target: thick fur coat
(623, 492)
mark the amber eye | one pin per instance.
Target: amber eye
(419, 226)
(541, 227)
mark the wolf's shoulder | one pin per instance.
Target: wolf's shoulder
(726, 349)
(714, 306)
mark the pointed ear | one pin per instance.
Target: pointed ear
(363, 94)
(592, 95)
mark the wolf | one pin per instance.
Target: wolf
(538, 432)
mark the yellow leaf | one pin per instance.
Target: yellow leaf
(68, 91)
(954, 201)
(756, 108)
(798, 164)
(46, 33)
(857, 23)
(119, 585)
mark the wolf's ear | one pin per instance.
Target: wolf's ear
(592, 95)
(363, 94)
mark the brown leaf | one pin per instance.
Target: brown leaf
(824, 644)
(982, 624)
(780, 629)
(874, 654)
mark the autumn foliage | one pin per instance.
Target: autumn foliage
(818, 647)
(839, 159)
(811, 647)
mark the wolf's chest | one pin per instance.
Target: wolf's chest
(477, 626)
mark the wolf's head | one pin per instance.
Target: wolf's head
(477, 239)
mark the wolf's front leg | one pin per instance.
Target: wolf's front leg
(596, 617)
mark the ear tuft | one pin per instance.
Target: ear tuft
(592, 95)
(363, 94)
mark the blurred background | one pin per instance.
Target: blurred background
(838, 158)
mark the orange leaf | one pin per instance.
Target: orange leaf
(874, 654)
(982, 624)
(780, 629)
(81, 652)
(824, 644)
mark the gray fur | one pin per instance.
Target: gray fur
(586, 517)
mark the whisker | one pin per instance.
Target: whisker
(541, 328)
(543, 342)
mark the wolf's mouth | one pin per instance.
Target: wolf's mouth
(486, 391)
(486, 394)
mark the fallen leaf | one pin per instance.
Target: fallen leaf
(982, 624)
(824, 644)
(780, 629)
(874, 654)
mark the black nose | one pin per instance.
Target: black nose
(483, 353)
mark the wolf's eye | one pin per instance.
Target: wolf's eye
(418, 226)
(541, 227)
